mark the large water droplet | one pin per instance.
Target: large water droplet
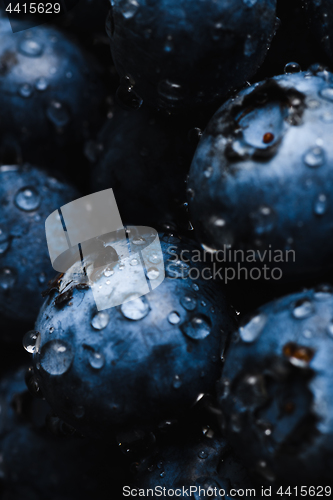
(252, 330)
(189, 303)
(303, 308)
(199, 327)
(174, 318)
(100, 320)
(176, 382)
(31, 47)
(56, 357)
(135, 309)
(138, 241)
(7, 278)
(314, 157)
(154, 258)
(128, 8)
(320, 204)
(27, 199)
(292, 67)
(202, 454)
(30, 340)
(58, 114)
(153, 273)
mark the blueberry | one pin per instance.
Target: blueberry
(138, 363)
(177, 54)
(320, 18)
(194, 462)
(148, 177)
(276, 390)
(51, 96)
(36, 464)
(27, 196)
(262, 176)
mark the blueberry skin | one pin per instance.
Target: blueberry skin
(276, 390)
(27, 196)
(262, 175)
(129, 369)
(194, 461)
(145, 158)
(183, 54)
(36, 464)
(320, 19)
(52, 96)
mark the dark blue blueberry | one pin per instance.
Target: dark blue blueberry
(320, 18)
(145, 158)
(262, 176)
(276, 390)
(135, 364)
(36, 464)
(27, 196)
(194, 462)
(51, 96)
(179, 54)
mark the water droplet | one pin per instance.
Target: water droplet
(128, 8)
(263, 220)
(314, 157)
(170, 91)
(31, 48)
(134, 262)
(153, 273)
(174, 318)
(320, 204)
(292, 67)
(236, 422)
(139, 241)
(41, 84)
(176, 382)
(30, 340)
(58, 114)
(327, 117)
(41, 278)
(25, 90)
(51, 330)
(195, 287)
(298, 355)
(177, 269)
(100, 320)
(303, 308)
(7, 278)
(96, 359)
(108, 273)
(121, 267)
(327, 93)
(168, 46)
(203, 454)
(252, 330)
(208, 172)
(162, 474)
(135, 309)
(197, 328)
(4, 241)
(27, 199)
(56, 357)
(323, 292)
(250, 46)
(189, 303)
(154, 258)
(265, 471)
